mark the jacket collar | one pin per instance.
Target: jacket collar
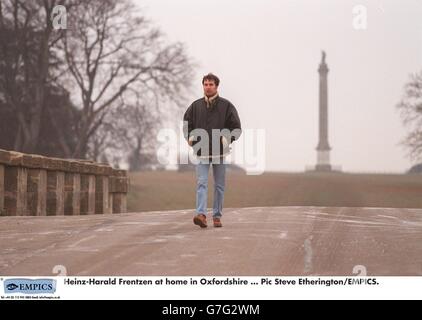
(210, 100)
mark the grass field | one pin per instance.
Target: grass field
(169, 190)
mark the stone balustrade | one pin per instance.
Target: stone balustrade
(33, 185)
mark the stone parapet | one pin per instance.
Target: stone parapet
(34, 185)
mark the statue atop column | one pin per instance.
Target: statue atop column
(323, 148)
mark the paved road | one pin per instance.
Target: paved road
(254, 241)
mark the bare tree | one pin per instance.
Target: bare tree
(410, 108)
(122, 75)
(129, 129)
(111, 49)
(26, 50)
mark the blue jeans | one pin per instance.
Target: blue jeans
(219, 173)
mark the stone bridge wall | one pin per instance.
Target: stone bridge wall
(33, 185)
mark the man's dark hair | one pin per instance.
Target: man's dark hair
(211, 77)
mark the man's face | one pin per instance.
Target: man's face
(210, 88)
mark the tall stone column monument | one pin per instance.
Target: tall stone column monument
(323, 148)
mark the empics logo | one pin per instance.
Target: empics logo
(11, 286)
(29, 285)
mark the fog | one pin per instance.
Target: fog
(267, 53)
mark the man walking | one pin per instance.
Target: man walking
(211, 124)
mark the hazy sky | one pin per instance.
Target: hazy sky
(267, 53)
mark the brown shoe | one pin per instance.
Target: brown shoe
(217, 222)
(200, 220)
